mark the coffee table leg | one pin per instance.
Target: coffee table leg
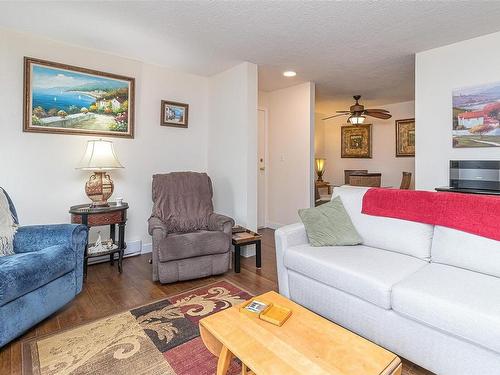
(237, 254)
(258, 255)
(225, 358)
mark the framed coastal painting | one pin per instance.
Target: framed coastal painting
(356, 141)
(174, 114)
(476, 116)
(65, 99)
(405, 137)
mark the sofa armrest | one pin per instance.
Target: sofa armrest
(222, 223)
(32, 238)
(286, 237)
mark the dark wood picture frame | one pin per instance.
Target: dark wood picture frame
(175, 124)
(364, 131)
(27, 100)
(402, 140)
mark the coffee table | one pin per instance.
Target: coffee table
(305, 344)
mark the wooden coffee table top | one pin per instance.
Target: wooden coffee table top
(305, 344)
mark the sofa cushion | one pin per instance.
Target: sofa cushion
(25, 272)
(363, 271)
(460, 302)
(465, 250)
(193, 244)
(329, 225)
(406, 237)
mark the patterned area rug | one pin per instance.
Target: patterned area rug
(159, 338)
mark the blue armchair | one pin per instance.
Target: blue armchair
(44, 274)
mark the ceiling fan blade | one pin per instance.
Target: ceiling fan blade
(383, 116)
(376, 110)
(340, 114)
(343, 111)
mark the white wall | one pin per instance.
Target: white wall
(437, 73)
(38, 170)
(232, 143)
(383, 147)
(290, 145)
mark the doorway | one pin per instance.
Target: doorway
(262, 156)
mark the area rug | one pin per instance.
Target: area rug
(159, 338)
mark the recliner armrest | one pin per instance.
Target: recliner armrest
(222, 223)
(156, 223)
(31, 238)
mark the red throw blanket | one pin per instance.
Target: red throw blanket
(476, 214)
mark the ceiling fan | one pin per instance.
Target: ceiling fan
(357, 113)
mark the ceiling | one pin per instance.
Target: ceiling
(345, 47)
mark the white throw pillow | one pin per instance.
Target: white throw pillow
(7, 227)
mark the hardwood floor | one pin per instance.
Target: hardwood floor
(107, 292)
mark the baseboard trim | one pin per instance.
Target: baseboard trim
(147, 248)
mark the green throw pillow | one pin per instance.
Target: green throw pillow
(329, 225)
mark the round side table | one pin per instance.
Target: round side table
(111, 215)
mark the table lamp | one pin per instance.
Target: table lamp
(320, 168)
(99, 157)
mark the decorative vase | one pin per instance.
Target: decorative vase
(99, 188)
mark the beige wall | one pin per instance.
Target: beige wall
(290, 144)
(383, 147)
(437, 73)
(232, 143)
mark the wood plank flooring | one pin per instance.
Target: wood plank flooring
(107, 292)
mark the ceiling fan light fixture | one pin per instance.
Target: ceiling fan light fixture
(357, 120)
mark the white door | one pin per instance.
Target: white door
(262, 166)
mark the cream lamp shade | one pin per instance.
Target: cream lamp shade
(99, 156)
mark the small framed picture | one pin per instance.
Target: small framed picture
(174, 114)
(405, 138)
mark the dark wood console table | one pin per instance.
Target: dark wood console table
(111, 215)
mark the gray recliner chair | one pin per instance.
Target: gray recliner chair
(189, 240)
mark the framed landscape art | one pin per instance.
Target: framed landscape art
(65, 99)
(476, 116)
(356, 141)
(405, 137)
(174, 114)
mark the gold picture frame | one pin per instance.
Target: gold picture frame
(67, 99)
(356, 141)
(405, 138)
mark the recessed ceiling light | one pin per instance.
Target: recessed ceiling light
(289, 73)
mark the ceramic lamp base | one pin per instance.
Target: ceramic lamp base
(99, 188)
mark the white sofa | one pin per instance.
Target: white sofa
(429, 294)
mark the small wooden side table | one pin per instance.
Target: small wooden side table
(111, 215)
(244, 237)
(324, 184)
